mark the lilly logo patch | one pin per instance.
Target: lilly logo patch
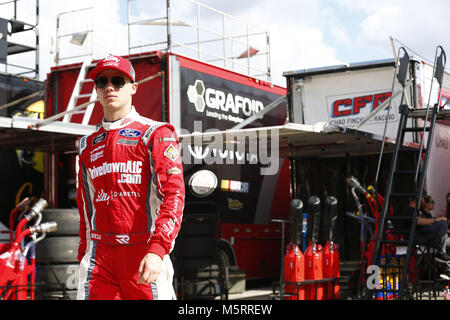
(171, 153)
(130, 133)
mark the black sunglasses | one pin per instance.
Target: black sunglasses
(117, 81)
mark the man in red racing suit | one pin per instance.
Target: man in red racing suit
(130, 198)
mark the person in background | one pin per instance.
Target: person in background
(447, 217)
(448, 209)
(429, 229)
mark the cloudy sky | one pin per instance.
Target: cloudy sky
(303, 33)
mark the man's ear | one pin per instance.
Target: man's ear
(134, 87)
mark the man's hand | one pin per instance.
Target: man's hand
(150, 268)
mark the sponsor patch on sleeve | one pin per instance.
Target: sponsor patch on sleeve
(82, 145)
(171, 153)
(174, 170)
(167, 139)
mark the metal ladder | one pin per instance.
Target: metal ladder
(82, 80)
(395, 190)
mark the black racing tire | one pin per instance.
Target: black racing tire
(225, 257)
(57, 250)
(68, 221)
(59, 274)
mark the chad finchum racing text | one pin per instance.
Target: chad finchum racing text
(231, 309)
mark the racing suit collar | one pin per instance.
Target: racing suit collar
(121, 123)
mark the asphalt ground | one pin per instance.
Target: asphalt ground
(263, 290)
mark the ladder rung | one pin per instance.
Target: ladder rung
(399, 218)
(395, 241)
(390, 265)
(403, 232)
(406, 172)
(79, 111)
(86, 81)
(403, 194)
(386, 291)
(81, 96)
(406, 149)
(410, 129)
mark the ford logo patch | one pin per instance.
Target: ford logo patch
(130, 133)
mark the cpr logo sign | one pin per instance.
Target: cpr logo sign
(196, 95)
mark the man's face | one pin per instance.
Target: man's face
(431, 204)
(112, 98)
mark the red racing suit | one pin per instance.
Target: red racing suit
(130, 199)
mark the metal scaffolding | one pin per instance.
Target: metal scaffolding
(192, 29)
(72, 37)
(16, 39)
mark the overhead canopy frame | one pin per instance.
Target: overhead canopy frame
(54, 137)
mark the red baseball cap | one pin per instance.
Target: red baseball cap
(114, 63)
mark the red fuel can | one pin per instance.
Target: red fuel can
(331, 270)
(314, 271)
(294, 271)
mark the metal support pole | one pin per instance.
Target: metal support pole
(283, 222)
(169, 27)
(224, 42)
(199, 52)
(249, 120)
(128, 23)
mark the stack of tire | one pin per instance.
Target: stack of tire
(56, 256)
